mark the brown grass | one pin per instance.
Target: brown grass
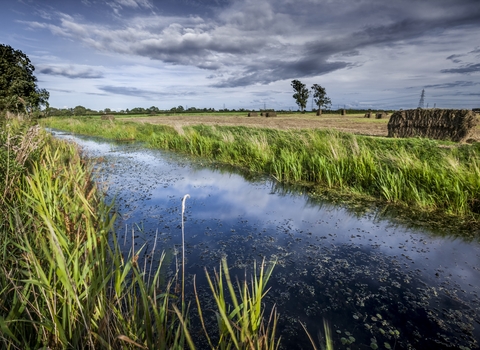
(442, 124)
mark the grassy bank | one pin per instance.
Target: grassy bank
(63, 286)
(427, 175)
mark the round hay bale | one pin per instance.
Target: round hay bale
(381, 115)
(319, 112)
(344, 112)
(368, 115)
(108, 117)
(253, 114)
(270, 114)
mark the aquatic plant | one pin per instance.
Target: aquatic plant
(241, 325)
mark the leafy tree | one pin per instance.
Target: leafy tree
(154, 109)
(301, 94)
(79, 110)
(320, 97)
(138, 110)
(18, 86)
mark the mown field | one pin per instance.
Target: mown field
(352, 123)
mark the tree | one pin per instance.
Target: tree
(79, 110)
(320, 97)
(138, 110)
(153, 110)
(18, 88)
(301, 94)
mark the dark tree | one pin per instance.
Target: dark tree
(154, 109)
(320, 97)
(301, 94)
(79, 110)
(18, 86)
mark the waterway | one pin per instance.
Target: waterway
(379, 284)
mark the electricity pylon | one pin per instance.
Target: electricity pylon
(421, 104)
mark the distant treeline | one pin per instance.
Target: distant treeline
(83, 111)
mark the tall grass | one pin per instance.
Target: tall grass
(242, 325)
(421, 173)
(62, 284)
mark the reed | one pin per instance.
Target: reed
(426, 174)
(241, 324)
(62, 284)
(64, 280)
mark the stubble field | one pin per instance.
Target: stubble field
(352, 123)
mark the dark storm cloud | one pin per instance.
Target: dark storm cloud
(265, 74)
(466, 69)
(258, 42)
(454, 57)
(452, 85)
(127, 91)
(71, 72)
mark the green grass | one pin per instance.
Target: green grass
(428, 175)
(64, 285)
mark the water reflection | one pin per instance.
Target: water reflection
(377, 281)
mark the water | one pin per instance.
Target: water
(377, 283)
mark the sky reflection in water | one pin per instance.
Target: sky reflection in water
(369, 277)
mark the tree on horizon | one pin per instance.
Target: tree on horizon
(320, 98)
(301, 94)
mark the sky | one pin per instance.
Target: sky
(234, 54)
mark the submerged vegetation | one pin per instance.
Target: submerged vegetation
(64, 281)
(421, 174)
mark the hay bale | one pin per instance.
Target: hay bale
(368, 115)
(261, 114)
(270, 114)
(319, 112)
(381, 115)
(253, 114)
(441, 124)
(344, 112)
(108, 117)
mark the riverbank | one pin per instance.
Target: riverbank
(65, 282)
(426, 177)
(333, 261)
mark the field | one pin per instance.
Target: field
(352, 123)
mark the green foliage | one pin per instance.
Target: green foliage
(79, 110)
(320, 97)
(18, 88)
(301, 94)
(241, 325)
